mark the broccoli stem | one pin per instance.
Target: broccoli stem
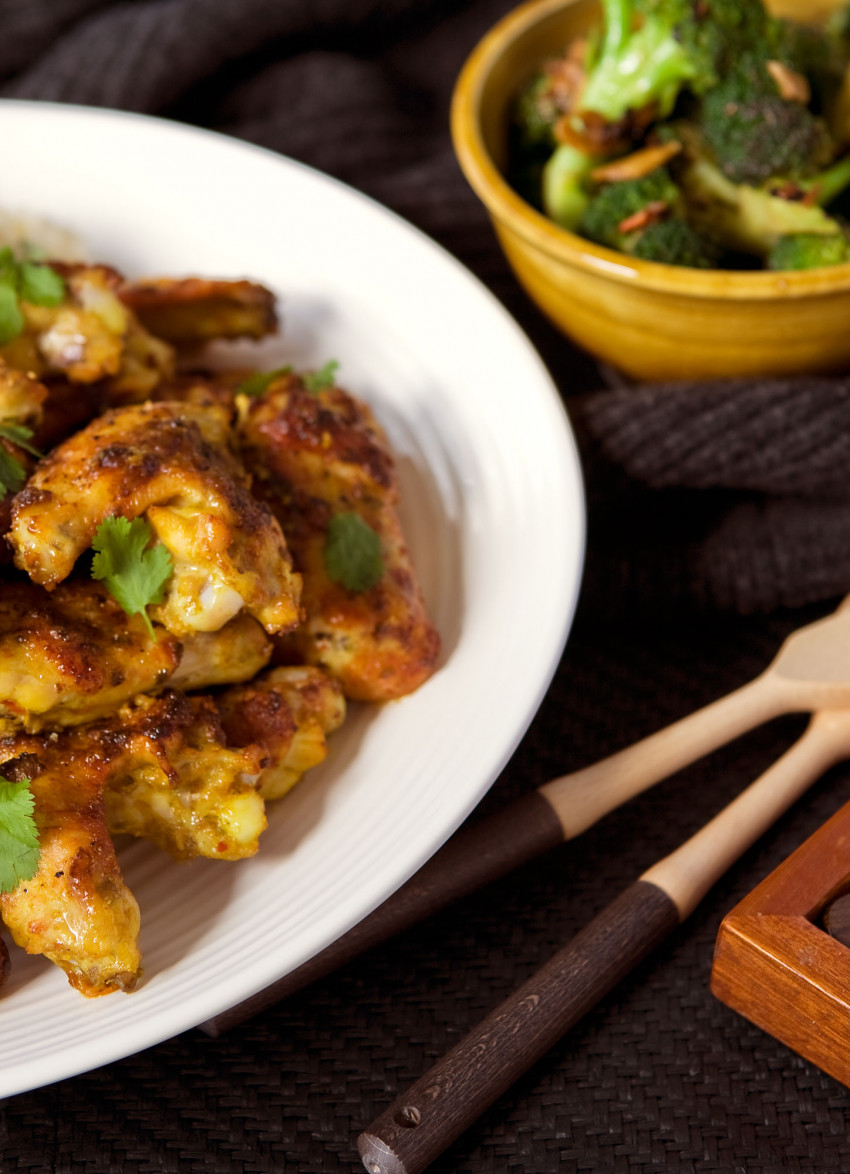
(564, 186)
(744, 218)
(617, 15)
(830, 183)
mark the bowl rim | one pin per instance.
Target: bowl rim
(509, 210)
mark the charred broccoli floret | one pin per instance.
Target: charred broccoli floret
(617, 210)
(673, 241)
(748, 219)
(816, 52)
(806, 250)
(693, 132)
(642, 217)
(651, 49)
(755, 133)
(537, 108)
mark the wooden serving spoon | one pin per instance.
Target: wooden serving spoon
(811, 671)
(413, 1131)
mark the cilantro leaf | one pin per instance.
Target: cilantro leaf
(7, 265)
(352, 553)
(256, 384)
(12, 472)
(40, 284)
(322, 379)
(134, 572)
(19, 847)
(11, 318)
(20, 435)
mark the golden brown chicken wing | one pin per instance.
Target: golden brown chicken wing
(89, 336)
(22, 397)
(179, 783)
(194, 310)
(76, 910)
(316, 456)
(73, 655)
(171, 464)
(288, 712)
(234, 653)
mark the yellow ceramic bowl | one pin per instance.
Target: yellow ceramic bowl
(654, 322)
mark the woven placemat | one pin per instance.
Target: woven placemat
(659, 1077)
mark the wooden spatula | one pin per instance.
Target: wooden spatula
(811, 671)
(459, 1088)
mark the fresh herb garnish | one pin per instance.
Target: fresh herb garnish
(19, 847)
(134, 571)
(12, 472)
(256, 384)
(24, 281)
(352, 553)
(322, 379)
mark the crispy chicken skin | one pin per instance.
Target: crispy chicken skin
(73, 655)
(288, 712)
(90, 335)
(77, 911)
(197, 768)
(316, 454)
(22, 397)
(170, 463)
(193, 310)
(190, 773)
(179, 782)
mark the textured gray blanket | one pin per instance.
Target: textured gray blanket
(718, 496)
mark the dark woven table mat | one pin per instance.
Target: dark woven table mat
(660, 1076)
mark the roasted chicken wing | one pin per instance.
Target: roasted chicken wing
(90, 335)
(76, 910)
(288, 712)
(179, 783)
(22, 397)
(171, 464)
(194, 310)
(316, 455)
(234, 653)
(73, 655)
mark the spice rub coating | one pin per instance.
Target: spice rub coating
(289, 712)
(76, 910)
(73, 655)
(170, 463)
(178, 782)
(193, 310)
(318, 454)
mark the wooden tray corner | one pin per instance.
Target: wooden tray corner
(774, 964)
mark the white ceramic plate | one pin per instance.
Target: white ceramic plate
(493, 508)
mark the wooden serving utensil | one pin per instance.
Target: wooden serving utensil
(417, 1127)
(810, 671)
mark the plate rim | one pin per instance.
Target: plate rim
(171, 1025)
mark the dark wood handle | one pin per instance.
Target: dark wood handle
(472, 858)
(416, 1129)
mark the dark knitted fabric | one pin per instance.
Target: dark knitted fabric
(718, 521)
